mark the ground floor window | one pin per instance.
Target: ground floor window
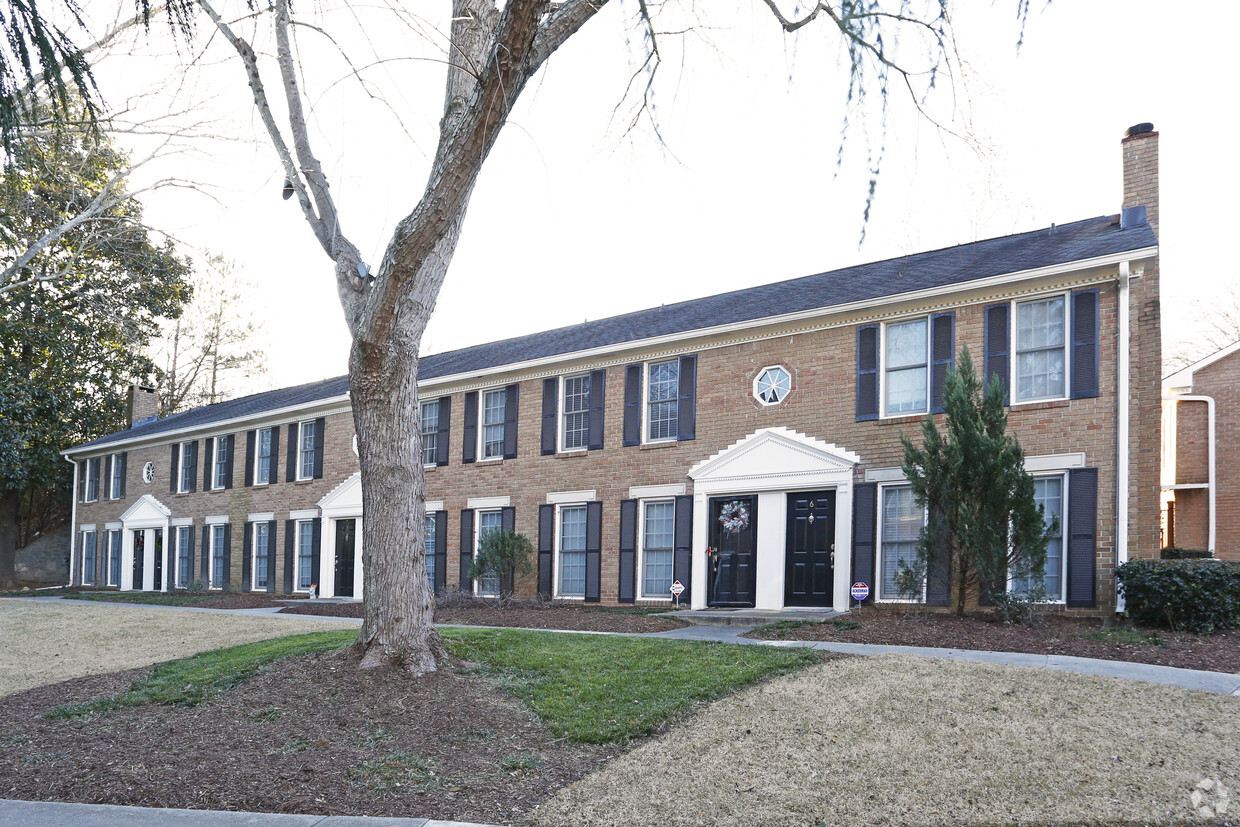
(261, 565)
(305, 555)
(899, 531)
(488, 521)
(1048, 492)
(429, 548)
(88, 557)
(219, 547)
(658, 523)
(185, 564)
(114, 557)
(571, 572)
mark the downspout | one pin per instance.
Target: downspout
(1209, 400)
(72, 518)
(1121, 435)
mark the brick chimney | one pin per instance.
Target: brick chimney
(1140, 147)
(142, 404)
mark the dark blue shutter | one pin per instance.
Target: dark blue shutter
(247, 543)
(1085, 344)
(550, 414)
(598, 384)
(191, 453)
(227, 584)
(682, 554)
(510, 421)
(250, 437)
(82, 475)
(998, 347)
(124, 458)
(867, 372)
(274, 474)
(228, 461)
(441, 551)
(865, 527)
(594, 551)
(172, 482)
(1082, 534)
(316, 546)
(633, 405)
(445, 429)
(469, 438)
(546, 549)
(939, 568)
(467, 541)
(290, 541)
(686, 407)
(627, 591)
(290, 464)
(320, 431)
(204, 557)
(508, 518)
(943, 352)
(208, 463)
(271, 551)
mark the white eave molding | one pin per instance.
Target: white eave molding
(1182, 379)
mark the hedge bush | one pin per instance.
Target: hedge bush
(1173, 553)
(1200, 596)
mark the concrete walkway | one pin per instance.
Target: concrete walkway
(54, 814)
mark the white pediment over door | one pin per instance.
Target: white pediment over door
(774, 454)
(345, 500)
(147, 511)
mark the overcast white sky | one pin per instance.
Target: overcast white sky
(574, 220)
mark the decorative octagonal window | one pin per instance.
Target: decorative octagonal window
(772, 385)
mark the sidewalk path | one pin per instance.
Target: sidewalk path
(54, 814)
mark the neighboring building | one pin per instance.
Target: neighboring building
(763, 423)
(1201, 452)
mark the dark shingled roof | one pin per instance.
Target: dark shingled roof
(1080, 240)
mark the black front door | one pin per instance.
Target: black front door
(733, 535)
(346, 536)
(139, 558)
(158, 555)
(809, 571)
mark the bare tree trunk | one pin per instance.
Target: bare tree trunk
(10, 506)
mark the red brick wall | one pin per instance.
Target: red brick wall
(1221, 381)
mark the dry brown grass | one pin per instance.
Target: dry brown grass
(46, 643)
(905, 740)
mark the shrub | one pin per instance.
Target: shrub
(1019, 608)
(1198, 596)
(503, 554)
(1173, 553)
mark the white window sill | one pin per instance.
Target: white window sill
(1034, 404)
(580, 597)
(659, 599)
(662, 443)
(572, 452)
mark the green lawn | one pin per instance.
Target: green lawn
(586, 688)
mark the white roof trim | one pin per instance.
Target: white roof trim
(814, 450)
(1183, 378)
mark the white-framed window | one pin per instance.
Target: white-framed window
(219, 462)
(263, 456)
(575, 412)
(1049, 491)
(1041, 349)
(772, 385)
(185, 564)
(303, 577)
(662, 390)
(488, 521)
(658, 522)
(186, 472)
(570, 568)
(92, 479)
(430, 431)
(305, 449)
(116, 483)
(491, 434)
(217, 569)
(88, 557)
(429, 534)
(114, 557)
(906, 367)
(899, 530)
(260, 562)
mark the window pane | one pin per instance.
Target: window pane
(221, 461)
(661, 413)
(572, 551)
(1048, 493)
(88, 558)
(906, 390)
(307, 450)
(217, 557)
(658, 521)
(906, 344)
(430, 431)
(114, 558)
(902, 522)
(489, 521)
(576, 411)
(493, 403)
(429, 533)
(117, 476)
(305, 555)
(262, 469)
(187, 473)
(185, 575)
(261, 540)
(1040, 349)
(773, 385)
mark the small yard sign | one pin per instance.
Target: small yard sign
(860, 591)
(677, 589)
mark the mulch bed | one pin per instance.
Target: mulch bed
(445, 746)
(522, 615)
(1053, 635)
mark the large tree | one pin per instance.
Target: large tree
(76, 317)
(493, 52)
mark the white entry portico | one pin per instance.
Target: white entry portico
(341, 510)
(771, 464)
(145, 523)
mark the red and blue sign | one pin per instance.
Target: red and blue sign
(859, 591)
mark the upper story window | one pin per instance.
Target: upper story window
(906, 367)
(1041, 349)
(116, 482)
(92, 480)
(430, 431)
(188, 466)
(492, 436)
(306, 449)
(220, 463)
(264, 450)
(772, 385)
(576, 413)
(662, 385)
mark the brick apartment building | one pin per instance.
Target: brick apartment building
(763, 424)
